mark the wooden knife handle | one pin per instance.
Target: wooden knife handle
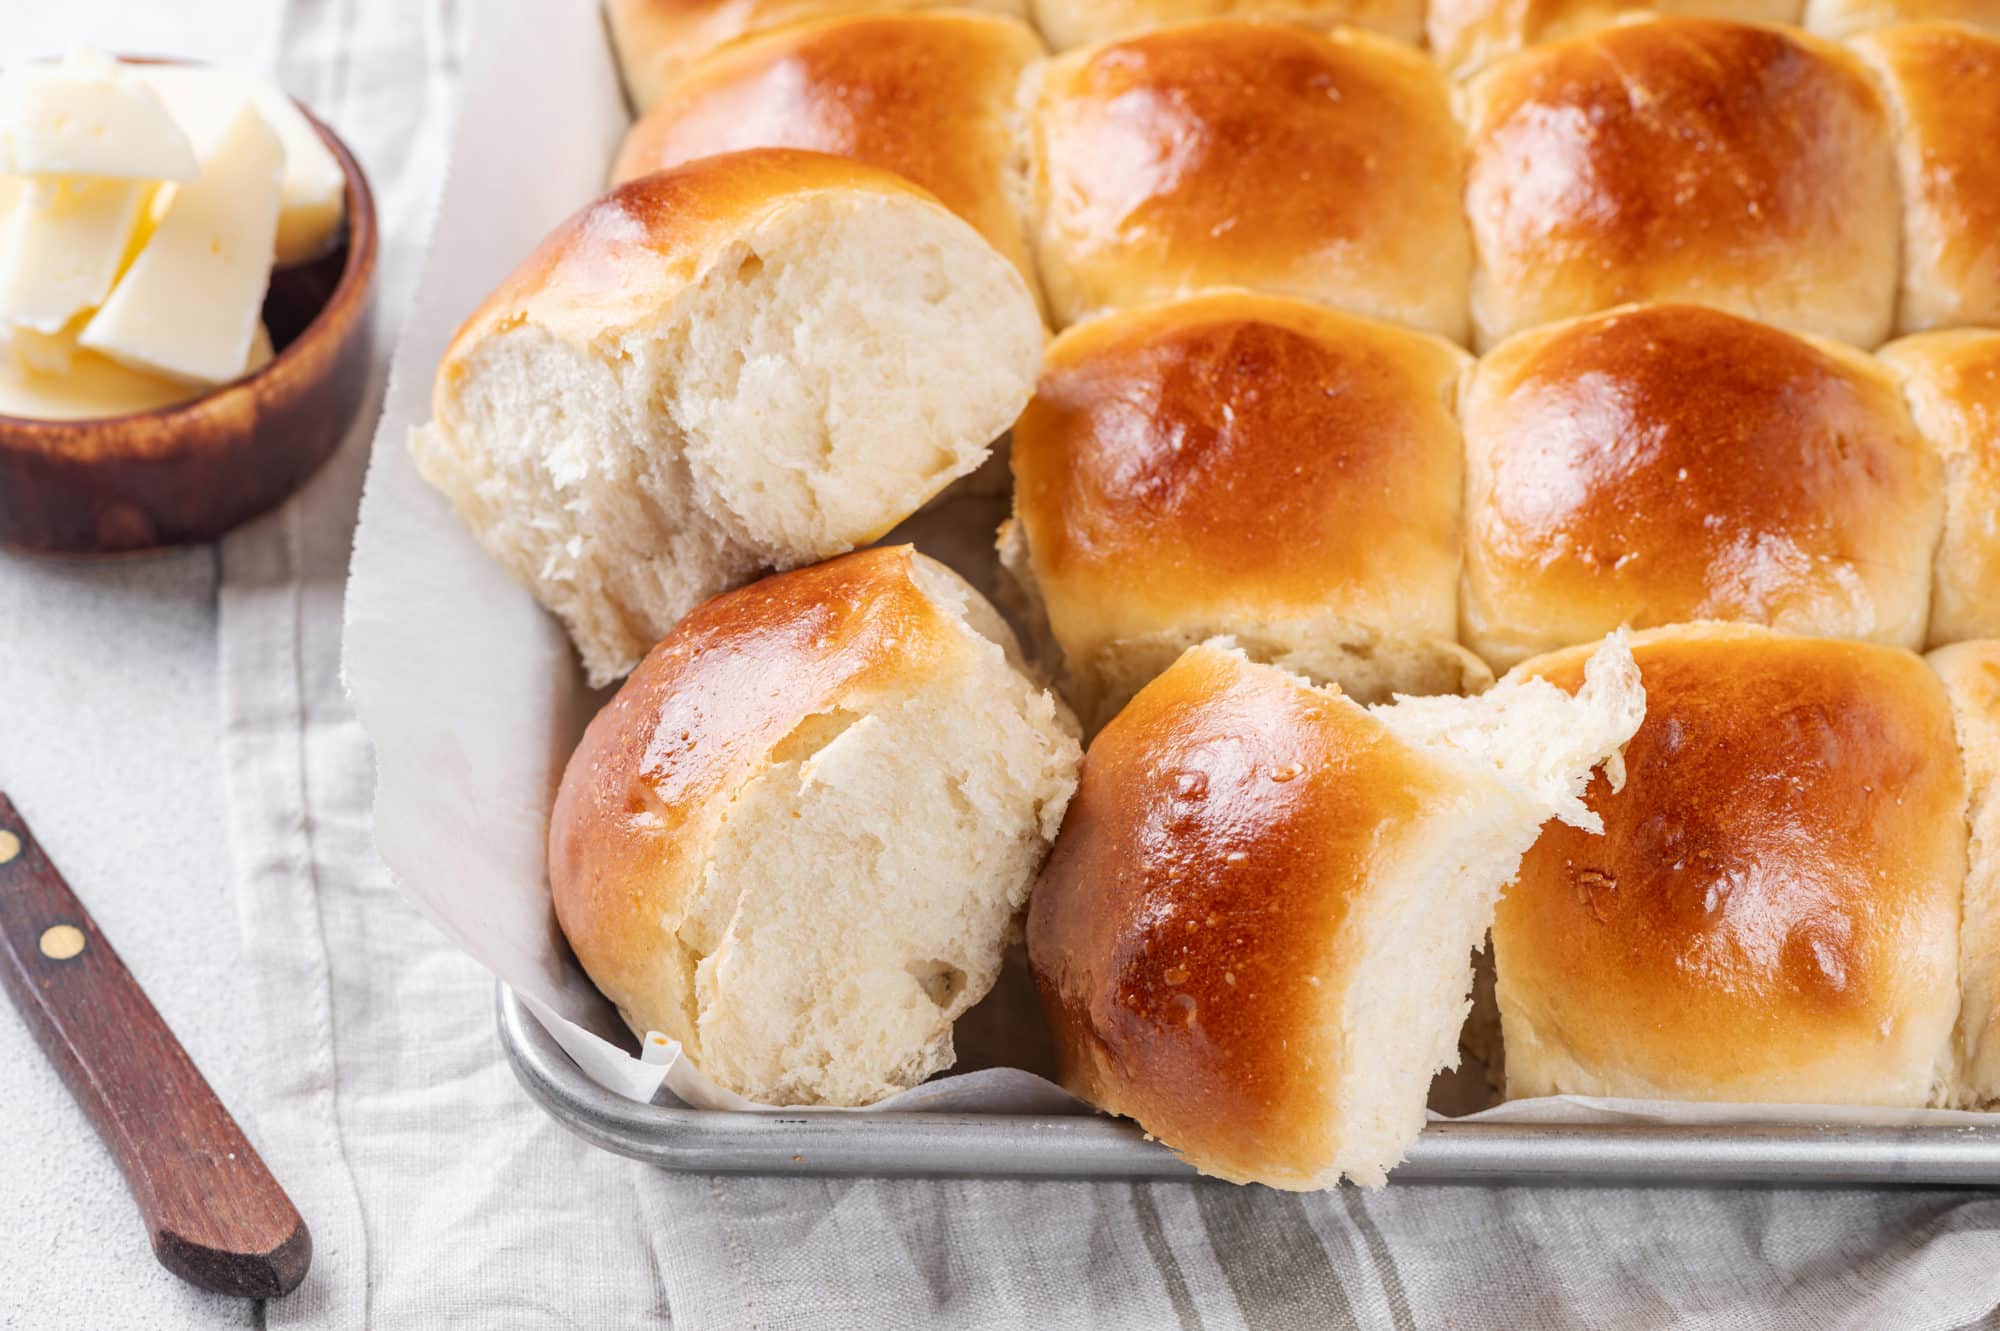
(216, 1216)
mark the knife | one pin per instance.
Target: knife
(216, 1216)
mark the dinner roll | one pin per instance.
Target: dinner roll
(752, 361)
(930, 96)
(1249, 465)
(1669, 462)
(1943, 80)
(1952, 381)
(1071, 23)
(1838, 18)
(1772, 912)
(1233, 153)
(798, 837)
(1745, 167)
(1255, 932)
(657, 39)
(1971, 674)
(1466, 35)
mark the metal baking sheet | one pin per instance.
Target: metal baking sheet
(1081, 1146)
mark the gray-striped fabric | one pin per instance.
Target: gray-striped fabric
(440, 1197)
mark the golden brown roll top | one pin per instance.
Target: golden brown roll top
(1735, 165)
(796, 839)
(1235, 153)
(1669, 462)
(1772, 912)
(1191, 917)
(1254, 933)
(657, 39)
(748, 362)
(1838, 18)
(1072, 23)
(1952, 382)
(1466, 35)
(1943, 81)
(623, 256)
(1249, 465)
(638, 806)
(930, 96)
(1971, 674)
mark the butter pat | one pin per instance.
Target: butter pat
(188, 306)
(91, 387)
(44, 353)
(89, 116)
(314, 193)
(61, 247)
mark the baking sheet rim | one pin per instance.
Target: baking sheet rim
(1085, 1146)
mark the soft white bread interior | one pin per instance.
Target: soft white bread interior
(749, 362)
(1255, 932)
(1971, 675)
(1772, 911)
(1247, 465)
(798, 838)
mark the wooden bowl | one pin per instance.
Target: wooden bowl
(188, 473)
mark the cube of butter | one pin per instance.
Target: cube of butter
(315, 190)
(188, 306)
(90, 387)
(44, 353)
(61, 246)
(89, 116)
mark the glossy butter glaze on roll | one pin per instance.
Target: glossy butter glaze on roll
(1731, 164)
(1466, 35)
(1668, 462)
(1952, 382)
(1943, 80)
(1072, 23)
(1772, 912)
(928, 95)
(656, 40)
(1839, 18)
(797, 839)
(1322, 166)
(1254, 933)
(1250, 465)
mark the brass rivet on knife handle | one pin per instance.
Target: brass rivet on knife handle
(60, 942)
(216, 1216)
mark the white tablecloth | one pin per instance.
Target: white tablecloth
(175, 730)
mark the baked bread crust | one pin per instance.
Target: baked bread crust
(1772, 912)
(1731, 164)
(1666, 463)
(1325, 166)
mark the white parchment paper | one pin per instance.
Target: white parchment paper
(471, 693)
